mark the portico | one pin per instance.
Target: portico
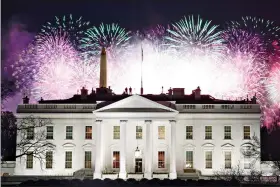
(150, 117)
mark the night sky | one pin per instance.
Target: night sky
(21, 20)
(136, 14)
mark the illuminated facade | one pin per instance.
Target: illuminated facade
(168, 135)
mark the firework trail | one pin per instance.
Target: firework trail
(75, 28)
(273, 84)
(197, 35)
(268, 30)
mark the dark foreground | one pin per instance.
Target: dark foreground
(133, 182)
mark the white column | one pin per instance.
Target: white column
(99, 151)
(123, 173)
(173, 173)
(148, 150)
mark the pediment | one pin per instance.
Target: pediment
(68, 145)
(88, 145)
(136, 103)
(227, 145)
(210, 145)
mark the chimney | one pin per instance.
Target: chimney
(130, 91)
(103, 69)
(170, 91)
(84, 93)
(197, 92)
(25, 100)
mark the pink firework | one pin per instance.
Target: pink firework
(273, 84)
(58, 58)
(271, 116)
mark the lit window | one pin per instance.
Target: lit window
(208, 159)
(208, 132)
(69, 132)
(49, 159)
(161, 132)
(116, 132)
(88, 132)
(116, 159)
(87, 159)
(29, 160)
(30, 133)
(139, 131)
(247, 162)
(227, 160)
(189, 159)
(189, 132)
(68, 159)
(227, 132)
(161, 159)
(49, 133)
(246, 130)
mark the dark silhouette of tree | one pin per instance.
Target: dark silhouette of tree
(8, 136)
(31, 136)
(7, 88)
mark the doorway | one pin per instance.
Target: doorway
(138, 165)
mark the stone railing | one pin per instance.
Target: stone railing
(53, 108)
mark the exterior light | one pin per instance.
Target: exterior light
(137, 153)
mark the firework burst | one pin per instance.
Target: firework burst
(75, 28)
(111, 36)
(268, 30)
(57, 58)
(195, 34)
(273, 85)
(241, 41)
(25, 68)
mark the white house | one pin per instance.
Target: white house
(165, 135)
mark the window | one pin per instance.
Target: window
(208, 132)
(30, 133)
(227, 132)
(116, 132)
(116, 159)
(49, 159)
(189, 132)
(68, 159)
(189, 159)
(87, 159)
(139, 131)
(161, 159)
(208, 159)
(246, 162)
(246, 130)
(49, 133)
(29, 160)
(161, 132)
(88, 132)
(227, 160)
(69, 132)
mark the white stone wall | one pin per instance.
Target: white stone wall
(79, 145)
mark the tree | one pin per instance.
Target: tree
(31, 137)
(8, 136)
(7, 88)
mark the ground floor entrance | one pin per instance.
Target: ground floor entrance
(138, 165)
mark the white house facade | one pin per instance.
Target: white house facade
(144, 136)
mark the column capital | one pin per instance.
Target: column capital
(98, 121)
(123, 121)
(172, 121)
(148, 121)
